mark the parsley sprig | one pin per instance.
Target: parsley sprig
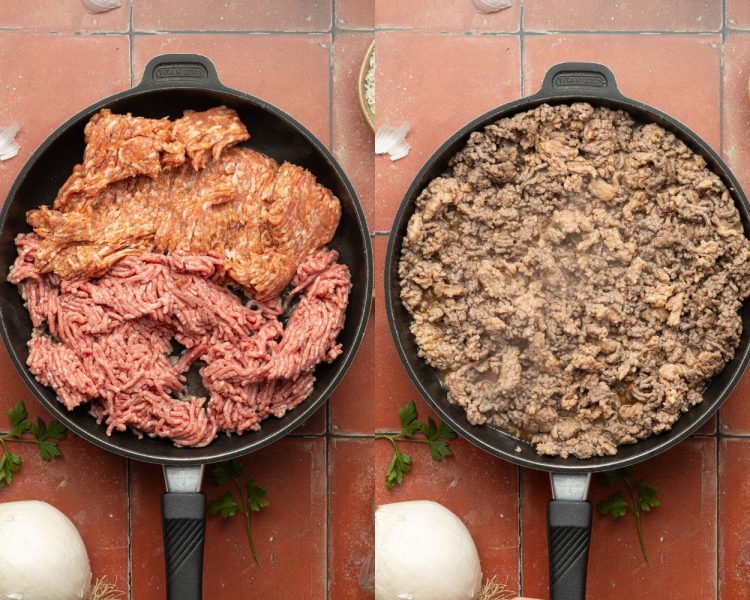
(435, 436)
(641, 498)
(226, 506)
(23, 431)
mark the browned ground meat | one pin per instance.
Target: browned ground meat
(576, 278)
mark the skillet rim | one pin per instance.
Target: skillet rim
(398, 317)
(250, 441)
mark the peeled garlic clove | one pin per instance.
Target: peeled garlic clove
(392, 140)
(100, 6)
(491, 6)
(8, 145)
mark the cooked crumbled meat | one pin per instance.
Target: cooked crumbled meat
(576, 278)
(159, 185)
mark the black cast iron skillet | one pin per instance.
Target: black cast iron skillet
(568, 514)
(171, 84)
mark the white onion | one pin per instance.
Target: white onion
(491, 6)
(392, 140)
(424, 552)
(100, 6)
(42, 556)
(8, 145)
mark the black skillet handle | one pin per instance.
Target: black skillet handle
(568, 535)
(184, 524)
(180, 70)
(580, 78)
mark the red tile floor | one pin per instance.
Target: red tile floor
(438, 66)
(55, 59)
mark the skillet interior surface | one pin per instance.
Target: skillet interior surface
(273, 133)
(490, 438)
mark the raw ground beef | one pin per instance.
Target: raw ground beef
(155, 185)
(576, 278)
(109, 341)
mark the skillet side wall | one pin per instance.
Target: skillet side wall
(273, 133)
(425, 378)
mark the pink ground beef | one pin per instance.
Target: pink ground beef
(108, 341)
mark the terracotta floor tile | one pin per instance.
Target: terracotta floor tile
(633, 15)
(14, 389)
(232, 15)
(391, 385)
(735, 414)
(736, 106)
(315, 425)
(274, 68)
(444, 15)
(355, 14)
(290, 535)
(61, 15)
(648, 68)
(418, 78)
(709, 428)
(681, 532)
(352, 534)
(480, 489)
(36, 92)
(738, 14)
(91, 487)
(352, 405)
(25, 97)
(734, 526)
(353, 139)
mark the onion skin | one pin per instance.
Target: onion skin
(42, 555)
(424, 552)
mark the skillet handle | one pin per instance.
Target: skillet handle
(184, 525)
(568, 536)
(580, 79)
(180, 70)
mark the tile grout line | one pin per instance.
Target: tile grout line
(130, 530)
(130, 42)
(519, 519)
(331, 133)
(251, 32)
(129, 463)
(722, 53)
(519, 516)
(722, 57)
(479, 33)
(717, 569)
(654, 33)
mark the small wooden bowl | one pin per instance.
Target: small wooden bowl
(366, 110)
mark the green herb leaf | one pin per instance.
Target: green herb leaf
(224, 506)
(47, 438)
(400, 465)
(251, 499)
(444, 432)
(612, 477)
(224, 472)
(10, 464)
(615, 505)
(432, 432)
(408, 417)
(19, 423)
(439, 450)
(256, 496)
(435, 436)
(641, 498)
(647, 497)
